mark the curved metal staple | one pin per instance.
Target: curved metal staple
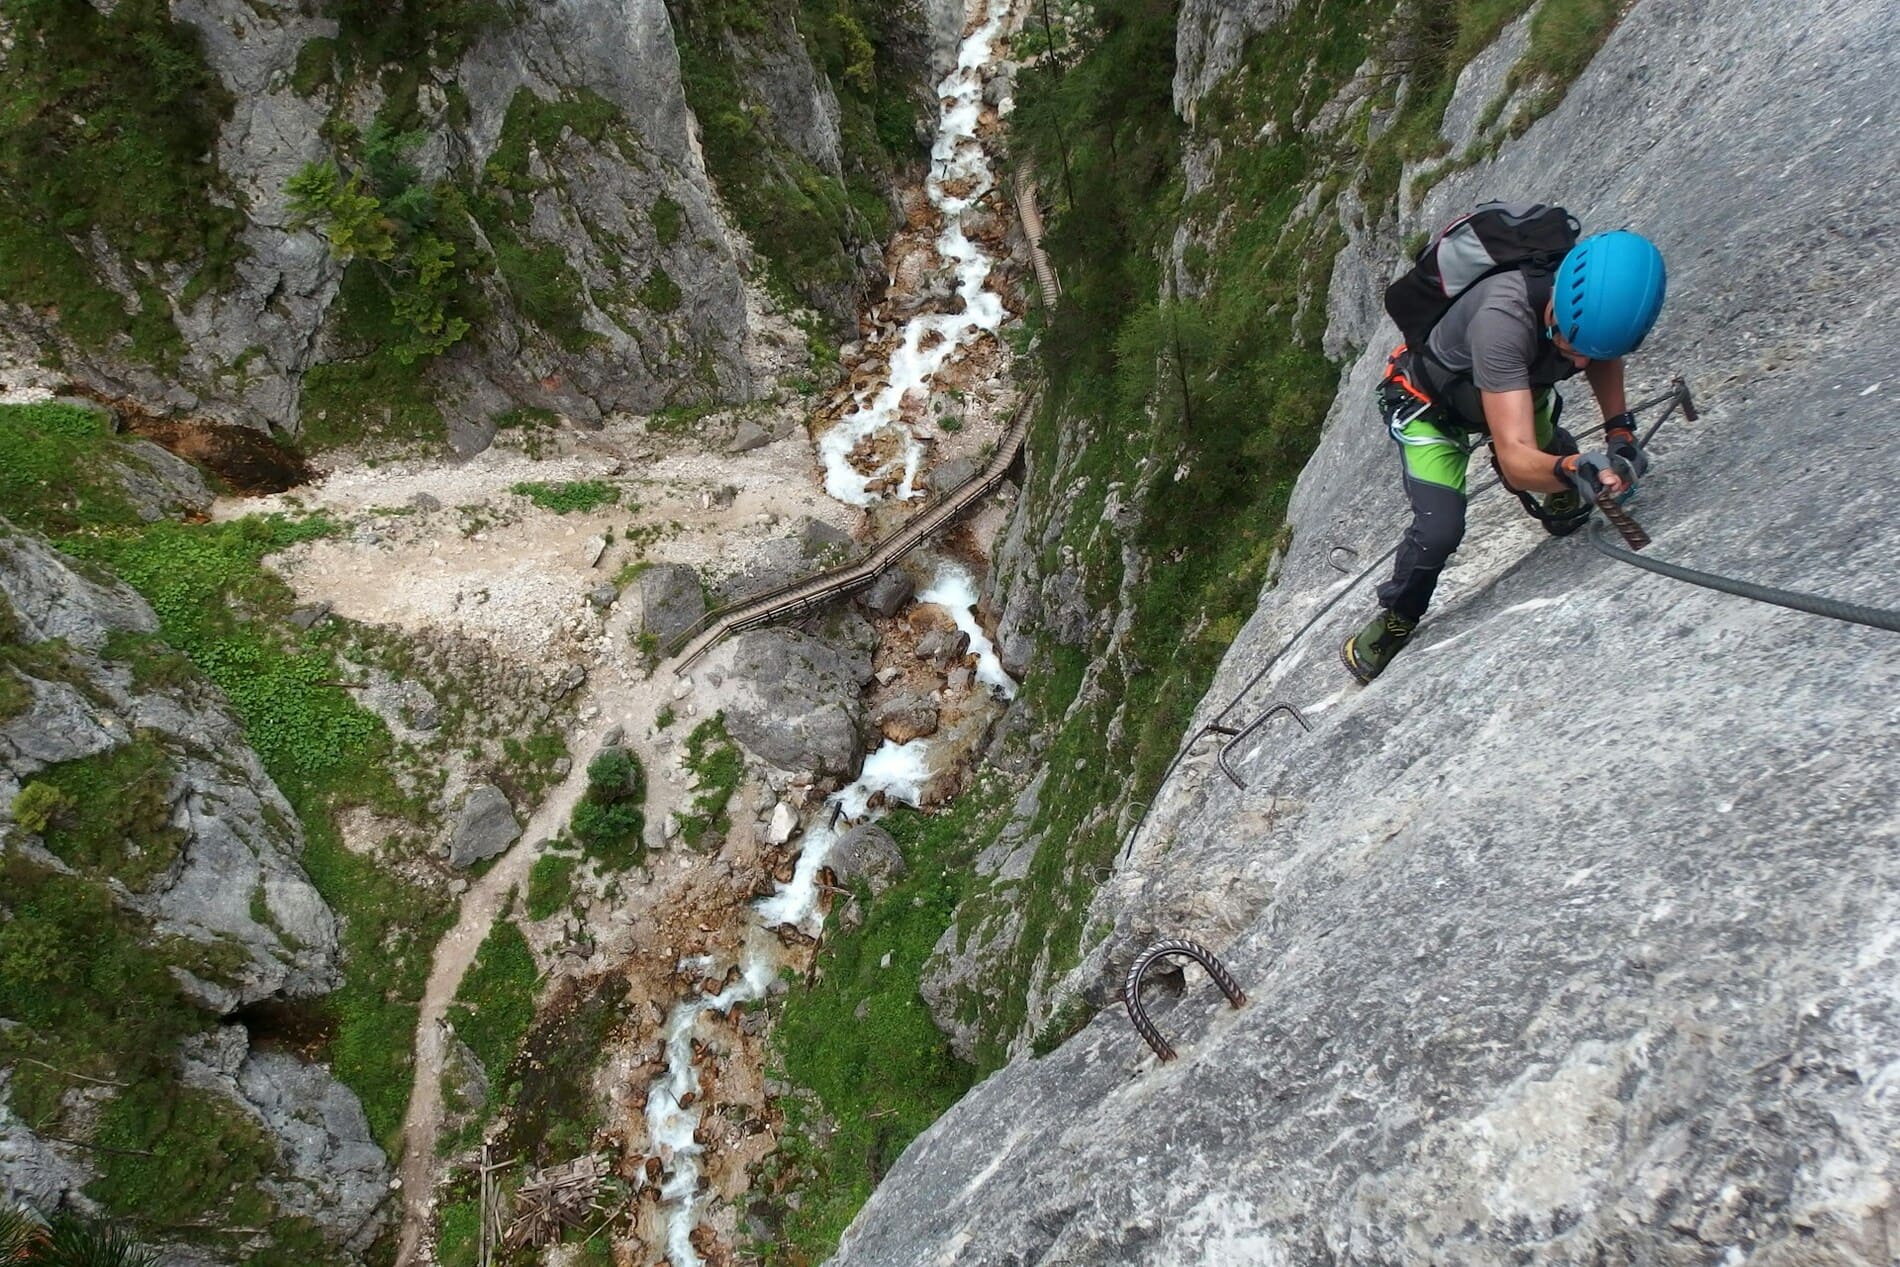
(1256, 724)
(1183, 948)
(1332, 558)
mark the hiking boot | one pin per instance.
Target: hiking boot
(1367, 652)
(1565, 513)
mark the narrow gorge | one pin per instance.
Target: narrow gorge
(403, 863)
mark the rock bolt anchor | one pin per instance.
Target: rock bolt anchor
(1182, 948)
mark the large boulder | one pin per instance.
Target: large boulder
(672, 600)
(867, 854)
(485, 826)
(889, 592)
(792, 700)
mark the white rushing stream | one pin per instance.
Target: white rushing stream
(956, 160)
(899, 771)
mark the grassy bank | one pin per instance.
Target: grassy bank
(91, 981)
(856, 1039)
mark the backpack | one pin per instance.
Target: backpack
(1494, 237)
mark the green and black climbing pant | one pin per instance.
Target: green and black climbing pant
(1434, 452)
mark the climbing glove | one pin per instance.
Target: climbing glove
(1584, 472)
(1619, 434)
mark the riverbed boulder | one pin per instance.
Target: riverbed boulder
(672, 599)
(889, 592)
(790, 699)
(485, 826)
(867, 854)
(906, 716)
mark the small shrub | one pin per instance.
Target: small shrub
(610, 833)
(614, 776)
(665, 717)
(38, 804)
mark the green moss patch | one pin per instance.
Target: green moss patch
(56, 468)
(572, 497)
(116, 813)
(495, 1005)
(717, 765)
(108, 127)
(860, 1040)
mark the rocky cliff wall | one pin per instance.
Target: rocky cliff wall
(592, 266)
(1570, 940)
(153, 885)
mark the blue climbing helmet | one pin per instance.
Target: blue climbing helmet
(1608, 293)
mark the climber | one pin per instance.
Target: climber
(1486, 363)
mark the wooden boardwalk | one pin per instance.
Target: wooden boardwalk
(802, 596)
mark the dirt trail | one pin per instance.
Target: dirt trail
(622, 700)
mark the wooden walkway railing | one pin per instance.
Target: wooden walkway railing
(799, 597)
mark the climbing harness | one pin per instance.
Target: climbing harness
(1177, 947)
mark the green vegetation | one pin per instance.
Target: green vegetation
(573, 497)
(1434, 41)
(669, 220)
(56, 468)
(37, 804)
(495, 1006)
(806, 223)
(716, 765)
(550, 884)
(607, 823)
(859, 1038)
(109, 126)
(68, 1241)
(125, 830)
(659, 293)
(552, 1111)
(98, 1008)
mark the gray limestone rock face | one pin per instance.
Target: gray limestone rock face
(338, 1177)
(1212, 36)
(867, 853)
(1570, 940)
(889, 592)
(235, 880)
(659, 274)
(35, 1171)
(791, 700)
(484, 827)
(51, 599)
(159, 484)
(672, 599)
(977, 946)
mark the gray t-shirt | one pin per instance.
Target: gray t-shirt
(1492, 335)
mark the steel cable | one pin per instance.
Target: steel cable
(1794, 600)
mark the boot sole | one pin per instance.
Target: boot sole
(1352, 666)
